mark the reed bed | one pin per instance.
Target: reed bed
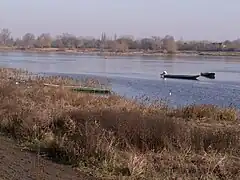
(114, 137)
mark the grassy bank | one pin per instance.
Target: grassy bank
(111, 136)
(94, 51)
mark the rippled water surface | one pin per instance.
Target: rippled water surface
(138, 76)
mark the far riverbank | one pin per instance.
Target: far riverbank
(129, 53)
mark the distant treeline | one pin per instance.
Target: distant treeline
(166, 44)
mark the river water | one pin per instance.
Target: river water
(139, 76)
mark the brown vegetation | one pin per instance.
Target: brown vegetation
(116, 44)
(112, 136)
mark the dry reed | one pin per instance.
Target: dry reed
(115, 137)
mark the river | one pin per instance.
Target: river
(139, 76)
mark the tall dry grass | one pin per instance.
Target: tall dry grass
(113, 137)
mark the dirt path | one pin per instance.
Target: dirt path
(21, 165)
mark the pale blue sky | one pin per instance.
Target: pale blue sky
(190, 19)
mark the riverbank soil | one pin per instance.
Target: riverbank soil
(18, 164)
(94, 51)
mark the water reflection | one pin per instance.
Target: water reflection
(138, 76)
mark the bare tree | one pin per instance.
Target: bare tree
(5, 36)
(79, 43)
(122, 43)
(18, 43)
(103, 41)
(169, 44)
(113, 45)
(10, 42)
(157, 43)
(115, 37)
(28, 40)
(129, 37)
(69, 40)
(119, 45)
(45, 40)
(57, 42)
(147, 43)
(128, 41)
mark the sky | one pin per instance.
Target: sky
(187, 19)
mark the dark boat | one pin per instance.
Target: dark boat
(190, 77)
(209, 75)
(174, 76)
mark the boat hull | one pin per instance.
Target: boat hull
(190, 77)
(92, 90)
(209, 75)
(83, 89)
